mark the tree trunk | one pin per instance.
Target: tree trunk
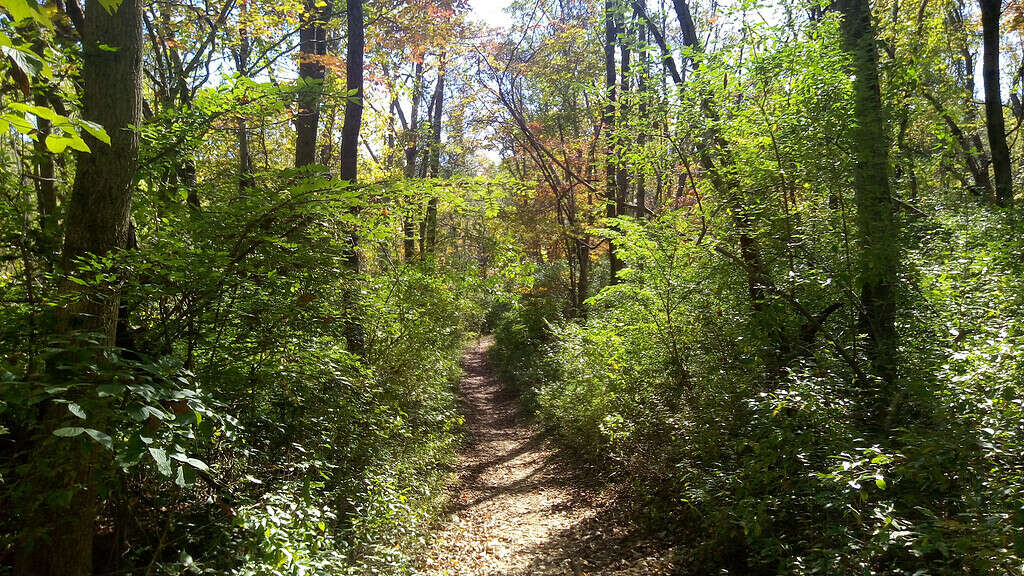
(312, 45)
(430, 239)
(608, 125)
(46, 186)
(411, 150)
(878, 234)
(641, 137)
(724, 180)
(622, 138)
(994, 122)
(350, 152)
(57, 539)
(245, 180)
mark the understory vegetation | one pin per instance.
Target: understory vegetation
(762, 262)
(765, 464)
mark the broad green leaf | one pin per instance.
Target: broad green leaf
(42, 112)
(56, 144)
(105, 440)
(28, 62)
(68, 432)
(163, 464)
(76, 410)
(21, 9)
(19, 123)
(193, 462)
(110, 6)
(96, 130)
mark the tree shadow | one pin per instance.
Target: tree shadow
(609, 543)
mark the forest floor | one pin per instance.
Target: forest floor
(522, 507)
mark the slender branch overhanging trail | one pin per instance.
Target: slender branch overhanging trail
(521, 507)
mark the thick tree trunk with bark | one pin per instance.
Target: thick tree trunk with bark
(622, 139)
(877, 229)
(350, 151)
(242, 54)
(57, 537)
(994, 121)
(430, 223)
(312, 46)
(608, 126)
(641, 139)
(46, 185)
(411, 150)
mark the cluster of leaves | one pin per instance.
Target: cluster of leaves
(740, 425)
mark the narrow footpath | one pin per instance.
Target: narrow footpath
(522, 508)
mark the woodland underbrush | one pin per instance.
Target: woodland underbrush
(235, 431)
(746, 437)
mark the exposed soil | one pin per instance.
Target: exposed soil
(521, 507)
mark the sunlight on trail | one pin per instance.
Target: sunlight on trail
(520, 508)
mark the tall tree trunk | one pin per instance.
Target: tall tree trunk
(994, 122)
(430, 224)
(608, 126)
(350, 151)
(57, 539)
(312, 46)
(241, 54)
(622, 137)
(724, 180)
(878, 234)
(411, 150)
(641, 137)
(46, 185)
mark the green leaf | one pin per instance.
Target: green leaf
(40, 111)
(96, 130)
(105, 390)
(880, 482)
(105, 440)
(163, 464)
(21, 9)
(110, 6)
(186, 477)
(76, 410)
(193, 462)
(68, 432)
(19, 123)
(28, 62)
(56, 144)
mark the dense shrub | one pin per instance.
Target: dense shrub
(764, 463)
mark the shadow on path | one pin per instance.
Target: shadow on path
(519, 507)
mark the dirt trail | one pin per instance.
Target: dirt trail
(520, 508)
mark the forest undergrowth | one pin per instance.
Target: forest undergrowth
(759, 263)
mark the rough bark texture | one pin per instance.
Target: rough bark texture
(57, 538)
(622, 175)
(242, 131)
(312, 45)
(994, 121)
(411, 150)
(879, 252)
(350, 150)
(641, 139)
(354, 84)
(608, 126)
(430, 238)
(46, 185)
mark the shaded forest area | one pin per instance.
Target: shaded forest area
(759, 263)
